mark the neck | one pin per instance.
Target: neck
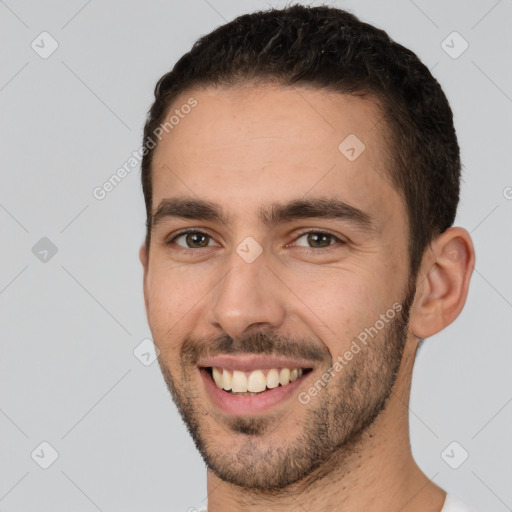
(377, 473)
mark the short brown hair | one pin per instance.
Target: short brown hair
(328, 48)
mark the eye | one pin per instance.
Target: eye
(192, 239)
(317, 240)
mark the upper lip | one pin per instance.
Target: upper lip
(249, 363)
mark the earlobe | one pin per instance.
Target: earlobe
(143, 257)
(443, 282)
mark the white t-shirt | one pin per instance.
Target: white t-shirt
(453, 504)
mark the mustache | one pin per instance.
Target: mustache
(193, 348)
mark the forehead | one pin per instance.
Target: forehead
(244, 145)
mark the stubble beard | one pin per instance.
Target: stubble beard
(330, 431)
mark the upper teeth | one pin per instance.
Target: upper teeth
(255, 381)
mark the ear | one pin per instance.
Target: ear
(442, 282)
(144, 259)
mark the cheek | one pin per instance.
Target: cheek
(341, 303)
(171, 302)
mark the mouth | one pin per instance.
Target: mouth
(249, 385)
(253, 383)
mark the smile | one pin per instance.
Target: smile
(250, 385)
(255, 382)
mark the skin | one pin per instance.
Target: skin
(243, 148)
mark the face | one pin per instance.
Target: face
(277, 285)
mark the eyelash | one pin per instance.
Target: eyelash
(306, 249)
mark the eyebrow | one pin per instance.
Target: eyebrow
(270, 215)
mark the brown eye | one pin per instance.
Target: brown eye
(192, 240)
(319, 239)
(316, 240)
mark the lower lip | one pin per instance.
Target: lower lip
(247, 405)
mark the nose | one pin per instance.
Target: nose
(248, 297)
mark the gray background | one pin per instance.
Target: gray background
(70, 321)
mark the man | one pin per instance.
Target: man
(301, 179)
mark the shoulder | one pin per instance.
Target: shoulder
(454, 504)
